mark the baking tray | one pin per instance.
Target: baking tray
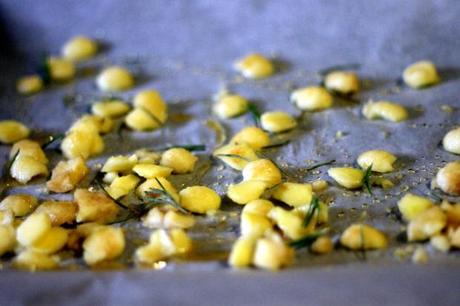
(185, 50)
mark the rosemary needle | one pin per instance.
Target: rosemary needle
(98, 182)
(318, 165)
(312, 209)
(367, 179)
(188, 147)
(255, 113)
(307, 240)
(43, 70)
(161, 196)
(7, 168)
(276, 145)
(6, 173)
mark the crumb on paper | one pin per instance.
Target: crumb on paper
(420, 256)
(447, 108)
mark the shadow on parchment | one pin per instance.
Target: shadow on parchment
(449, 74)
(281, 65)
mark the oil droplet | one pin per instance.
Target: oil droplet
(447, 108)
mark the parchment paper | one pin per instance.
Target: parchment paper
(185, 50)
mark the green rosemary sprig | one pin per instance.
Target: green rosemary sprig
(52, 139)
(307, 240)
(312, 210)
(367, 179)
(318, 165)
(276, 145)
(44, 71)
(255, 113)
(154, 196)
(97, 180)
(6, 173)
(9, 163)
(188, 147)
(157, 196)
(431, 193)
(279, 168)
(434, 195)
